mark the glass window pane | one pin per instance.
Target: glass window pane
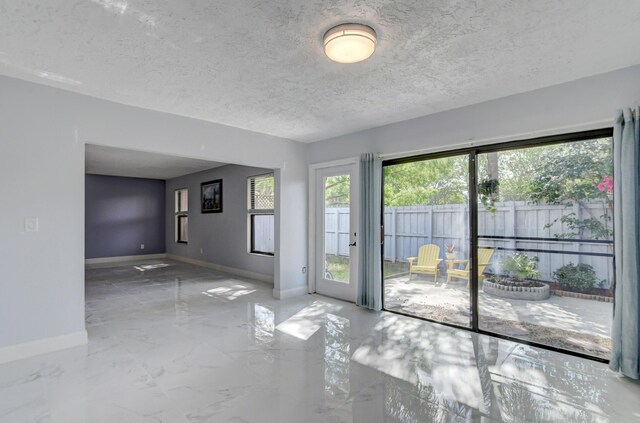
(546, 213)
(426, 247)
(337, 227)
(184, 200)
(261, 192)
(263, 230)
(183, 228)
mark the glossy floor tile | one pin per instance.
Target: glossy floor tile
(180, 343)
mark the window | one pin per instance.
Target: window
(260, 212)
(182, 216)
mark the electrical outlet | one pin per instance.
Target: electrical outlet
(201, 251)
(304, 270)
(31, 224)
(142, 246)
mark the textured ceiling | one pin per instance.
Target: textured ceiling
(259, 64)
(139, 164)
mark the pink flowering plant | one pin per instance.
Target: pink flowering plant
(606, 184)
(577, 173)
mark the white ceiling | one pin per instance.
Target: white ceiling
(139, 164)
(259, 64)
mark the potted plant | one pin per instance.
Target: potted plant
(487, 193)
(451, 251)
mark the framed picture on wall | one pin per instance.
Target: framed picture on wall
(211, 193)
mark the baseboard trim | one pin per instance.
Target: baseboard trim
(244, 273)
(42, 346)
(290, 293)
(119, 259)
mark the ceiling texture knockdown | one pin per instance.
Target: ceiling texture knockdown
(259, 65)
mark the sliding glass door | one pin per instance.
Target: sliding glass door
(514, 240)
(426, 245)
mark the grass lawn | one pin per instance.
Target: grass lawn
(339, 267)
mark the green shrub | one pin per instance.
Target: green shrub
(579, 277)
(521, 266)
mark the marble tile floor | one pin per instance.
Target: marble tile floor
(171, 342)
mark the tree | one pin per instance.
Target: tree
(515, 171)
(429, 182)
(577, 172)
(336, 191)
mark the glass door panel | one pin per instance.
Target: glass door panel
(337, 227)
(545, 232)
(427, 264)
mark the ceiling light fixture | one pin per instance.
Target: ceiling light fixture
(349, 43)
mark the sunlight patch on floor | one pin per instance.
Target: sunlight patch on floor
(307, 321)
(229, 293)
(145, 267)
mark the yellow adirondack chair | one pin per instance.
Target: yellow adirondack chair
(484, 258)
(427, 261)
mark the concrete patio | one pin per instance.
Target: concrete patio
(571, 323)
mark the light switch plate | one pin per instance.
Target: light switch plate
(31, 224)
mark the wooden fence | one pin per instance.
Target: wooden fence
(408, 228)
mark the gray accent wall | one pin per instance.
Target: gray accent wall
(123, 213)
(223, 237)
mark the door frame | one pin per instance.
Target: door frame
(313, 172)
(473, 151)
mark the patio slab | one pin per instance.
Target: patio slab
(573, 323)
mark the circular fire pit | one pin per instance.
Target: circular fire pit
(517, 290)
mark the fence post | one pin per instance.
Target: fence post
(393, 234)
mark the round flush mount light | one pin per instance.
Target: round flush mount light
(349, 43)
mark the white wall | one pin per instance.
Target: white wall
(587, 103)
(42, 168)
(291, 221)
(42, 135)
(221, 236)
